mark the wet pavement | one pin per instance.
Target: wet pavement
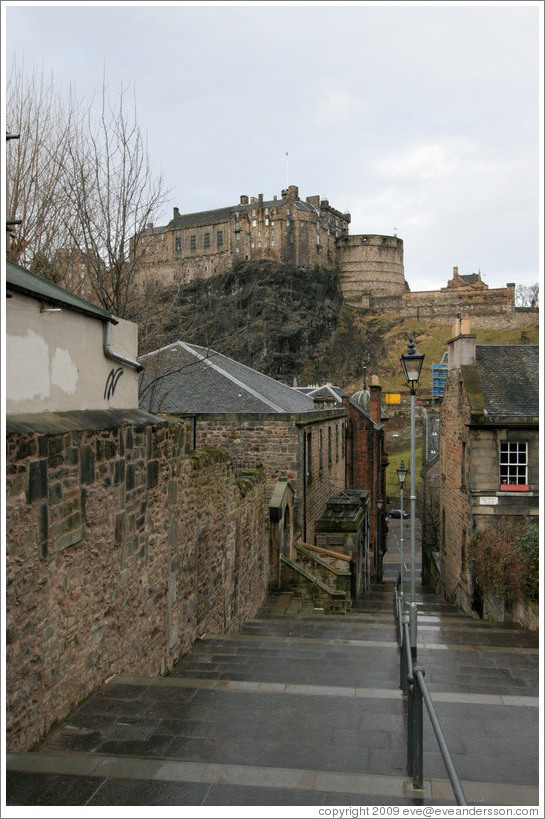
(304, 709)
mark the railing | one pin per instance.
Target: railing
(413, 685)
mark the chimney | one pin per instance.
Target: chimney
(375, 391)
(176, 213)
(243, 200)
(462, 348)
(455, 271)
(260, 199)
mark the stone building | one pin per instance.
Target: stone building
(261, 422)
(306, 233)
(367, 461)
(489, 449)
(64, 353)
(285, 229)
(122, 545)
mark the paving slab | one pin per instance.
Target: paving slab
(300, 708)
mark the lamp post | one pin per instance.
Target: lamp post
(401, 476)
(378, 573)
(412, 361)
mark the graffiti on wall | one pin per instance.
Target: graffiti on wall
(111, 382)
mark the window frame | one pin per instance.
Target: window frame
(513, 466)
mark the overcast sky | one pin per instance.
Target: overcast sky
(420, 120)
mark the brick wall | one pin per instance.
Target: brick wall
(121, 549)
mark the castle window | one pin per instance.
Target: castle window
(193, 242)
(272, 232)
(513, 464)
(272, 243)
(254, 212)
(207, 240)
(237, 250)
(220, 238)
(272, 222)
(253, 244)
(259, 244)
(266, 221)
(237, 226)
(266, 211)
(259, 233)
(178, 244)
(254, 223)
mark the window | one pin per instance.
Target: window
(193, 243)
(309, 455)
(514, 464)
(207, 240)
(336, 443)
(321, 444)
(254, 223)
(272, 232)
(220, 238)
(178, 244)
(329, 449)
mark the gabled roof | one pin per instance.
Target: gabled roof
(188, 379)
(326, 392)
(23, 281)
(504, 382)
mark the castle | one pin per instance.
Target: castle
(309, 233)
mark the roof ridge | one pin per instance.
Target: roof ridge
(232, 378)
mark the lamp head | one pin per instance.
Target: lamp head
(412, 362)
(402, 474)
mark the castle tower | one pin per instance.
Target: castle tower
(370, 266)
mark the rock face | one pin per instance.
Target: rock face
(264, 314)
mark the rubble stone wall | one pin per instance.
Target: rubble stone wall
(122, 548)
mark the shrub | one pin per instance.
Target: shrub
(505, 559)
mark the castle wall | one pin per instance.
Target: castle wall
(369, 263)
(487, 308)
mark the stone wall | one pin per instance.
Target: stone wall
(488, 309)
(122, 548)
(456, 528)
(308, 448)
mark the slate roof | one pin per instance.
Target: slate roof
(324, 392)
(508, 376)
(22, 280)
(188, 379)
(471, 278)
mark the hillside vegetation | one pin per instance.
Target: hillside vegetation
(293, 324)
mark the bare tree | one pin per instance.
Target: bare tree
(109, 181)
(44, 122)
(527, 295)
(82, 187)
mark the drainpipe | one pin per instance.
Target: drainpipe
(109, 353)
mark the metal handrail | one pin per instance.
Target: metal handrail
(414, 685)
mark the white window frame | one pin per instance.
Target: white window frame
(514, 463)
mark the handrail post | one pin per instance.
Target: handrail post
(403, 667)
(417, 733)
(410, 707)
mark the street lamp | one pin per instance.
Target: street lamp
(401, 476)
(412, 361)
(378, 539)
